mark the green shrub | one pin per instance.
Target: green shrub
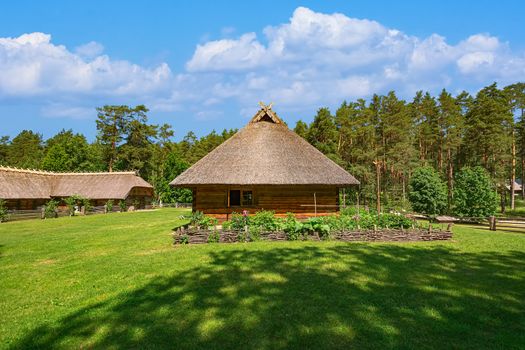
(318, 225)
(214, 237)
(109, 205)
(254, 233)
(352, 211)
(184, 239)
(196, 217)
(226, 225)
(265, 220)
(207, 221)
(122, 205)
(50, 209)
(292, 227)
(3, 211)
(77, 200)
(394, 221)
(428, 193)
(238, 222)
(242, 236)
(474, 193)
(202, 221)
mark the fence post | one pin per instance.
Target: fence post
(43, 212)
(492, 223)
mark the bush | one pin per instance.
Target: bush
(77, 200)
(184, 239)
(292, 227)
(254, 233)
(3, 211)
(214, 237)
(202, 221)
(238, 222)
(50, 209)
(122, 205)
(70, 203)
(196, 217)
(474, 193)
(318, 225)
(394, 221)
(265, 220)
(109, 205)
(226, 225)
(428, 193)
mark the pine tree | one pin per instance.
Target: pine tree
(451, 128)
(112, 124)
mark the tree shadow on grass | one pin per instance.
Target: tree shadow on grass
(314, 297)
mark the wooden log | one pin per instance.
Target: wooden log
(492, 223)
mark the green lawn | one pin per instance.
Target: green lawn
(115, 281)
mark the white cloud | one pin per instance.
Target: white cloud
(32, 65)
(314, 59)
(226, 54)
(90, 50)
(319, 58)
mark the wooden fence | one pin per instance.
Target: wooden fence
(16, 215)
(172, 205)
(509, 224)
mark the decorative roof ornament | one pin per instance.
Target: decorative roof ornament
(266, 114)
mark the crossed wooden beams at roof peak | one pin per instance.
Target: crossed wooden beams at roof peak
(266, 107)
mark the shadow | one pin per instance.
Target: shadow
(313, 297)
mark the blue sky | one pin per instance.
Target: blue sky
(203, 65)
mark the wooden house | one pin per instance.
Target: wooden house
(266, 166)
(29, 189)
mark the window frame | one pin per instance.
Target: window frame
(241, 198)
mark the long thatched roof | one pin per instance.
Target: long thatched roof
(265, 152)
(34, 184)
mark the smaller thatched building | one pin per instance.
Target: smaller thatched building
(29, 189)
(265, 166)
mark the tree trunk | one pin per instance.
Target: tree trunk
(378, 186)
(440, 156)
(522, 176)
(513, 174)
(450, 176)
(404, 187)
(503, 199)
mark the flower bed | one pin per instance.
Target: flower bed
(264, 226)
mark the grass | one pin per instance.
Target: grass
(115, 281)
(519, 208)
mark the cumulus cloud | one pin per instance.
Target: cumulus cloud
(89, 50)
(314, 59)
(321, 58)
(32, 65)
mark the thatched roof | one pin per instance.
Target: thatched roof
(34, 184)
(265, 152)
(517, 186)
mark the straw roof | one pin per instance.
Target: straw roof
(34, 184)
(265, 152)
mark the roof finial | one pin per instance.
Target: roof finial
(265, 107)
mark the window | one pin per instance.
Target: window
(235, 198)
(247, 198)
(240, 197)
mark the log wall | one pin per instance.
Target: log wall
(281, 199)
